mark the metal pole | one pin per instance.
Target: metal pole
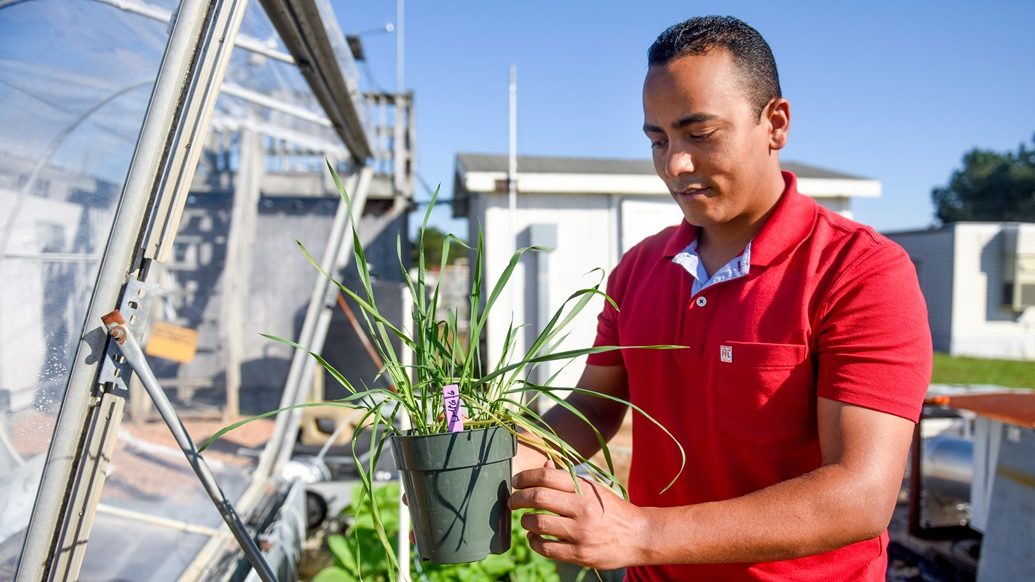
(127, 343)
(237, 269)
(400, 40)
(512, 168)
(512, 175)
(916, 469)
(314, 327)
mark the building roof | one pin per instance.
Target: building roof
(952, 226)
(478, 173)
(472, 162)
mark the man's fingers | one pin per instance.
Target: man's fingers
(555, 550)
(544, 477)
(544, 498)
(548, 525)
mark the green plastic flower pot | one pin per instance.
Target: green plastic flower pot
(457, 487)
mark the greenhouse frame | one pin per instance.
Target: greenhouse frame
(161, 157)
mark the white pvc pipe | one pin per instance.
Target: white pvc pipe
(404, 425)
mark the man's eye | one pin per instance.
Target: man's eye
(656, 144)
(702, 136)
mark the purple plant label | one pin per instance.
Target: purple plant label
(454, 420)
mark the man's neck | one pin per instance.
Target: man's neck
(718, 244)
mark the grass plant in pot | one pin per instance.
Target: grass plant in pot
(465, 421)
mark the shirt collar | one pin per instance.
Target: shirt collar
(685, 234)
(791, 221)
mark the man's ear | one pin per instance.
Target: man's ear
(778, 117)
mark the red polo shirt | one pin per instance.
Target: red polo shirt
(828, 309)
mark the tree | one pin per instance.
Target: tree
(990, 186)
(433, 238)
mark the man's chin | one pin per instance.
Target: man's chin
(699, 219)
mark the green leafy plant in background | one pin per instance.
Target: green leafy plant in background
(503, 396)
(359, 545)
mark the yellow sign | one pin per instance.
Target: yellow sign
(172, 342)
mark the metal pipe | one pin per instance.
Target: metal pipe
(403, 539)
(271, 457)
(244, 41)
(333, 438)
(49, 257)
(361, 334)
(127, 343)
(915, 476)
(400, 44)
(155, 520)
(235, 90)
(512, 178)
(323, 314)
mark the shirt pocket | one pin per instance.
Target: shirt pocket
(764, 393)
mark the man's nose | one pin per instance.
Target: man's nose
(678, 163)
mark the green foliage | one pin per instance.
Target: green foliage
(962, 370)
(430, 242)
(361, 545)
(990, 186)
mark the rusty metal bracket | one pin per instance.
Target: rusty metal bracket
(136, 309)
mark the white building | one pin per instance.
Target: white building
(979, 281)
(590, 211)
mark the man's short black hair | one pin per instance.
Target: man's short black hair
(750, 52)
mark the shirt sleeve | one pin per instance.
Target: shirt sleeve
(874, 340)
(607, 324)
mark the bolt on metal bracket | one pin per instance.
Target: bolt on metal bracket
(136, 311)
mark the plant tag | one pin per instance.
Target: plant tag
(454, 420)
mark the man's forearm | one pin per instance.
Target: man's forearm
(819, 511)
(604, 415)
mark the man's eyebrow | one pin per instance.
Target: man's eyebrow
(683, 122)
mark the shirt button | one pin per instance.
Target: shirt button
(702, 301)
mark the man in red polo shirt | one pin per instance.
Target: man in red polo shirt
(808, 354)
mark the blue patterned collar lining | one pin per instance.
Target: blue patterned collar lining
(691, 261)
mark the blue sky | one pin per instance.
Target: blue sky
(896, 91)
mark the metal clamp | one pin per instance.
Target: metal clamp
(135, 309)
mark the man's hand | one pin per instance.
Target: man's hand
(594, 528)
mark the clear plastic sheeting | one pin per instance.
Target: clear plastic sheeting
(267, 75)
(234, 273)
(210, 361)
(346, 61)
(272, 97)
(75, 79)
(264, 86)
